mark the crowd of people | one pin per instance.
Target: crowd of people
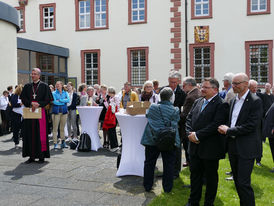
(209, 123)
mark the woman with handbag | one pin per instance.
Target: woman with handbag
(59, 113)
(161, 136)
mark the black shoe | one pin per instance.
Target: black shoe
(186, 186)
(41, 160)
(30, 160)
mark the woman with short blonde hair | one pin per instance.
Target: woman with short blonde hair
(148, 94)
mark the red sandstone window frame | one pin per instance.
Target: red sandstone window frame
(41, 7)
(130, 14)
(83, 52)
(23, 30)
(212, 58)
(92, 13)
(270, 55)
(249, 12)
(129, 50)
(193, 16)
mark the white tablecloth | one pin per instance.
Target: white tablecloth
(133, 153)
(89, 117)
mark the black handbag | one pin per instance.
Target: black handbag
(84, 143)
(165, 137)
(73, 144)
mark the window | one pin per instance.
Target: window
(84, 14)
(90, 66)
(100, 13)
(258, 7)
(137, 12)
(259, 61)
(91, 14)
(47, 17)
(137, 65)
(21, 18)
(202, 61)
(46, 62)
(201, 9)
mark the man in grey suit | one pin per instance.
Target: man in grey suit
(193, 93)
(243, 132)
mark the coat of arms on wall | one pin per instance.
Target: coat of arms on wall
(201, 34)
(23, 2)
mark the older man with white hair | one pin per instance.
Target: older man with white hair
(253, 88)
(227, 94)
(173, 82)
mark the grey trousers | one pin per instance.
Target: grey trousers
(71, 121)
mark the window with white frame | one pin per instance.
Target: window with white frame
(138, 69)
(137, 10)
(201, 63)
(259, 63)
(21, 19)
(84, 14)
(100, 13)
(48, 18)
(258, 5)
(91, 68)
(201, 7)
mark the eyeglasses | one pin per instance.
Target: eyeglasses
(204, 87)
(237, 83)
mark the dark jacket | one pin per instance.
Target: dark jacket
(190, 99)
(269, 123)
(246, 131)
(73, 103)
(267, 101)
(205, 124)
(180, 97)
(14, 101)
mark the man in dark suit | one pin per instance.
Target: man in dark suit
(268, 129)
(243, 132)
(193, 93)
(267, 98)
(180, 95)
(206, 146)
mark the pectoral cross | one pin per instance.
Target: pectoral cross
(34, 96)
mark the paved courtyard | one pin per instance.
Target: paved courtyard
(68, 178)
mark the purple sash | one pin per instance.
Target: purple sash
(43, 131)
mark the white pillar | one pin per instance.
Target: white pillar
(8, 48)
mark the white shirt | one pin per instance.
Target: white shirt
(3, 102)
(70, 98)
(237, 108)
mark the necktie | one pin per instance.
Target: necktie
(204, 104)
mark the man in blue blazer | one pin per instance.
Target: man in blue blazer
(245, 114)
(206, 146)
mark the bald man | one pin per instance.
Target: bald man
(246, 112)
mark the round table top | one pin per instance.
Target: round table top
(122, 114)
(89, 107)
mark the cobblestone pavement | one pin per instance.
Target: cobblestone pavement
(68, 178)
